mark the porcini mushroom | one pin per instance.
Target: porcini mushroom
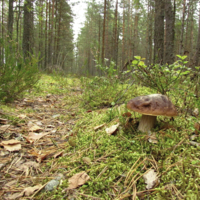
(150, 106)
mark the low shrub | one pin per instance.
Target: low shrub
(16, 73)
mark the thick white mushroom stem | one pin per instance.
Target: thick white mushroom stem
(147, 122)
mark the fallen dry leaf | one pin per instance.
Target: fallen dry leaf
(98, 127)
(150, 179)
(196, 112)
(112, 129)
(127, 114)
(41, 157)
(30, 190)
(197, 127)
(153, 138)
(10, 142)
(78, 180)
(58, 154)
(4, 127)
(11, 145)
(25, 167)
(35, 128)
(36, 136)
(9, 184)
(21, 116)
(3, 121)
(14, 196)
(15, 147)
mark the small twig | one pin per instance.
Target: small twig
(38, 190)
(88, 196)
(105, 168)
(134, 192)
(13, 163)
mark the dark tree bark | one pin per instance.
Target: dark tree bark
(28, 28)
(149, 33)
(18, 20)
(169, 16)
(46, 36)
(41, 35)
(115, 42)
(159, 31)
(2, 33)
(10, 19)
(135, 30)
(197, 54)
(182, 28)
(103, 35)
(123, 36)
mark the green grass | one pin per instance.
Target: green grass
(119, 161)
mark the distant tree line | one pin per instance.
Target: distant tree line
(42, 27)
(157, 30)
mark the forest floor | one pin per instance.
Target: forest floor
(67, 140)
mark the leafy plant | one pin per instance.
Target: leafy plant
(102, 91)
(16, 74)
(161, 78)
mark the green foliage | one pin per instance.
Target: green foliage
(104, 91)
(161, 78)
(16, 74)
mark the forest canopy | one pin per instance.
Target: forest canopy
(114, 30)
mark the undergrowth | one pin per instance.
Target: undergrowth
(119, 161)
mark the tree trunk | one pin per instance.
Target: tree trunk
(115, 42)
(52, 31)
(135, 31)
(41, 35)
(28, 28)
(123, 36)
(18, 20)
(10, 19)
(2, 33)
(182, 29)
(46, 39)
(103, 35)
(159, 31)
(169, 16)
(149, 34)
(197, 54)
(49, 36)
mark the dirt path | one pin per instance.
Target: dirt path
(38, 134)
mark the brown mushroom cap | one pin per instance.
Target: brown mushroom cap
(153, 104)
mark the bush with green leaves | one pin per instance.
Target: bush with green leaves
(161, 78)
(16, 73)
(103, 91)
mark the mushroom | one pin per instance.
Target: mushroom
(150, 106)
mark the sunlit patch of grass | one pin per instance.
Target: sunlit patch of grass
(118, 161)
(113, 156)
(7, 108)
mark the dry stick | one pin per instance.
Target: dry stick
(105, 168)
(5, 129)
(13, 163)
(133, 170)
(178, 144)
(169, 168)
(156, 165)
(176, 191)
(104, 156)
(38, 191)
(125, 91)
(134, 192)
(88, 196)
(133, 180)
